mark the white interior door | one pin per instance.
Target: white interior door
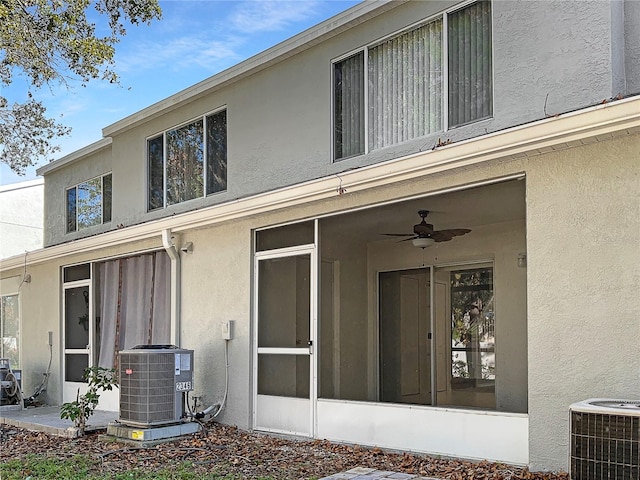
(405, 337)
(284, 380)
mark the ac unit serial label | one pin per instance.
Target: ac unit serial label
(183, 386)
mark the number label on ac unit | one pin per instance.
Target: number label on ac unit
(183, 386)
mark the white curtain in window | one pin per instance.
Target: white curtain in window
(405, 86)
(134, 304)
(470, 82)
(108, 278)
(160, 315)
(137, 285)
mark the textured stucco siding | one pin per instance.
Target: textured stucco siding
(279, 119)
(583, 248)
(55, 195)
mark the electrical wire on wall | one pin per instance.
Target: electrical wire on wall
(26, 277)
(218, 407)
(40, 389)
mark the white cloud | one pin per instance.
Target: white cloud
(270, 15)
(179, 53)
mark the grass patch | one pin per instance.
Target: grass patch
(35, 467)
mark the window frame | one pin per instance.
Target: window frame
(3, 353)
(443, 16)
(104, 218)
(205, 163)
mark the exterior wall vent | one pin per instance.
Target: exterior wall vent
(153, 380)
(605, 440)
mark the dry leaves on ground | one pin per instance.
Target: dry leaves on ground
(229, 450)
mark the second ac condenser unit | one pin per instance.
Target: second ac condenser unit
(153, 380)
(605, 440)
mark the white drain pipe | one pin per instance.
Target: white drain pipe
(176, 284)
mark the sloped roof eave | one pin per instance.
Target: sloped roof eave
(75, 156)
(283, 50)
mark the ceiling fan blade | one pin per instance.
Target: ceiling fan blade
(446, 235)
(397, 234)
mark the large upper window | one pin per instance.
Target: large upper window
(188, 162)
(405, 95)
(89, 203)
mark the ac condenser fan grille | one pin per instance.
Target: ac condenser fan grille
(604, 446)
(148, 379)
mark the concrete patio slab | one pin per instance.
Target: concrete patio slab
(47, 419)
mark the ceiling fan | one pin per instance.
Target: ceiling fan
(424, 235)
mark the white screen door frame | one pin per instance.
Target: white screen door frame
(275, 411)
(78, 346)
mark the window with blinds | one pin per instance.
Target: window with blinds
(404, 96)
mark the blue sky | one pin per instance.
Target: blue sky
(194, 40)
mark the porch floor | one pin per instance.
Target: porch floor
(361, 473)
(47, 419)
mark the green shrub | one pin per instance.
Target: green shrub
(82, 408)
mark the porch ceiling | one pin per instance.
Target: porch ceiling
(486, 205)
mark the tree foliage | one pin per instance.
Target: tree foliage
(54, 41)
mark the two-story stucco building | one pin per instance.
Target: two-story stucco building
(280, 192)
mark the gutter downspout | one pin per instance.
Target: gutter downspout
(175, 286)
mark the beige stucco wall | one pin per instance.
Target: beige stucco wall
(55, 195)
(583, 248)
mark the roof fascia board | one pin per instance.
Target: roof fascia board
(294, 45)
(513, 142)
(75, 156)
(20, 185)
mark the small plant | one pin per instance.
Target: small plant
(78, 411)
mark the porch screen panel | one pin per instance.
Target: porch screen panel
(405, 86)
(470, 71)
(349, 107)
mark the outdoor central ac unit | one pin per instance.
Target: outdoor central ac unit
(605, 440)
(153, 380)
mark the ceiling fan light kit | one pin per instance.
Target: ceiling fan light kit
(423, 242)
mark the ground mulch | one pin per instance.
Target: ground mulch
(227, 450)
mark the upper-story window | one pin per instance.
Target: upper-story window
(187, 162)
(396, 90)
(89, 203)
